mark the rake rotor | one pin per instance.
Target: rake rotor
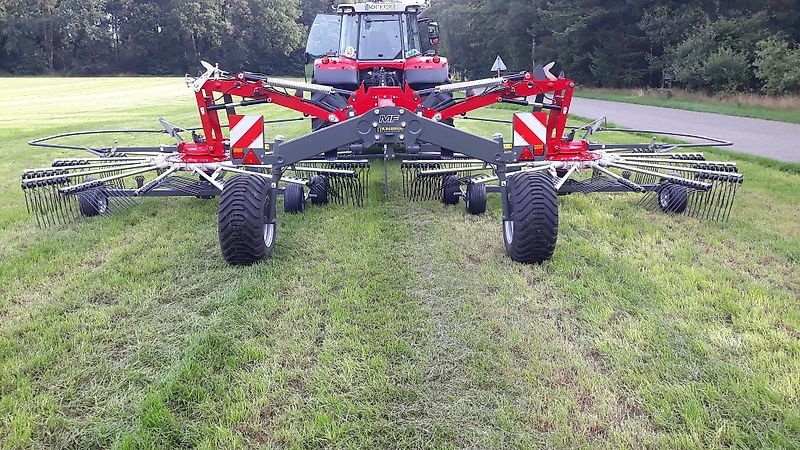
(80, 187)
(673, 182)
(346, 181)
(113, 179)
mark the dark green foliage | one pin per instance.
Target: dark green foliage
(149, 37)
(711, 45)
(778, 65)
(707, 44)
(720, 54)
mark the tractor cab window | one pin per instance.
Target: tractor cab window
(379, 37)
(348, 42)
(411, 36)
(324, 36)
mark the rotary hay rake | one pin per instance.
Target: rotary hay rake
(389, 108)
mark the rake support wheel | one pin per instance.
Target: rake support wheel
(318, 190)
(451, 189)
(530, 236)
(475, 198)
(673, 198)
(93, 202)
(294, 199)
(244, 235)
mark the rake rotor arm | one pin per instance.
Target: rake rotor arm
(524, 86)
(253, 92)
(264, 91)
(289, 84)
(510, 91)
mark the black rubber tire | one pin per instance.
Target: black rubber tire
(530, 236)
(318, 190)
(294, 199)
(244, 236)
(673, 198)
(451, 189)
(93, 202)
(475, 198)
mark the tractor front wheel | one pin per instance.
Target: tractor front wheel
(531, 233)
(245, 237)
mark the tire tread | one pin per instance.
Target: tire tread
(241, 219)
(534, 203)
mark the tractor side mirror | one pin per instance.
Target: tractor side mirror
(433, 33)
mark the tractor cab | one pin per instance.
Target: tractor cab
(375, 44)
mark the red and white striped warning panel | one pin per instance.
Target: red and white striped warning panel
(530, 128)
(247, 131)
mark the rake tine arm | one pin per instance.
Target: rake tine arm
(80, 167)
(622, 180)
(258, 166)
(679, 180)
(535, 164)
(92, 172)
(678, 156)
(101, 181)
(665, 167)
(442, 161)
(327, 162)
(566, 177)
(324, 170)
(681, 161)
(284, 178)
(293, 180)
(211, 180)
(246, 172)
(448, 171)
(152, 184)
(76, 161)
(535, 169)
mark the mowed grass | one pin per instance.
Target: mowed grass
(782, 109)
(395, 325)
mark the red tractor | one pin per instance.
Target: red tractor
(377, 92)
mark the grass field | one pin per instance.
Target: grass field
(782, 109)
(395, 325)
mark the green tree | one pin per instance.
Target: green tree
(665, 26)
(82, 40)
(719, 55)
(27, 37)
(710, 44)
(778, 66)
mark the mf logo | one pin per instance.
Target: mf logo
(389, 118)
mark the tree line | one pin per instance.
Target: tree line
(711, 45)
(83, 37)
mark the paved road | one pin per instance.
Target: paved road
(777, 140)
